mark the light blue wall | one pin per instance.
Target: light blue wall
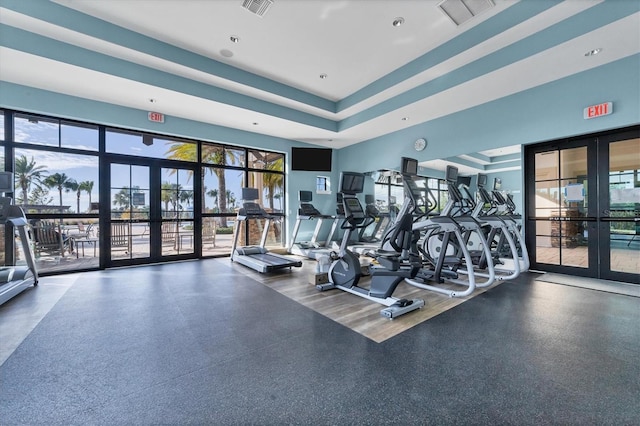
(549, 112)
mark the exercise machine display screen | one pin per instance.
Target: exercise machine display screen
(351, 182)
(409, 166)
(452, 174)
(353, 206)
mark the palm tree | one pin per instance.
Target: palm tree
(212, 154)
(61, 182)
(39, 195)
(27, 173)
(86, 186)
(273, 181)
(232, 199)
(122, 198)
(214, 193)
(75, 186)
(186, 196)
(169, 195)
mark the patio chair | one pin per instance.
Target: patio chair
(49, 239)
(170, 233)
(120, 236)
(209, 228)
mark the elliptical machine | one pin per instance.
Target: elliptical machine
(345, 270)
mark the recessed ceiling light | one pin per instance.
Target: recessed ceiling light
(330, 140)
(323, 76)
(153, 101)
(593, 52)
(398, 21)
(226, 53)
(255, 123)
(405, 118)
(234, 39)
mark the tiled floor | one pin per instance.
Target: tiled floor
(199, 343)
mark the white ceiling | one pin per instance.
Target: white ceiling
(274, 69)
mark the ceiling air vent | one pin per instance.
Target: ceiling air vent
(460, 11)
(259, 7)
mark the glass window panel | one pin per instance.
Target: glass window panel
(211, 187)
(624, 176)
(266, 160)
(547, 242)
(212, 154)
(624, 156)
(128, 143)
(625, 246)
(36, 130)
(546, 165)
(2, 126)
(381, 195)
(573, 163)
(275, 162)
(210, 227)
(79, 136)
(223, 190)
(271, 188)
(142, 145)
(547, 201)
(178, 150)
(129, 192)
(234, 157)
(573, 197)
(170, 194)
(218, 154)
(55, 179)
(177, 237)
(398, 193)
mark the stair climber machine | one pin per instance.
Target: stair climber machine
(15, 279)
(459, 208)
(494, 229)
(345, 270)
(505, 237)
(307, 212)
(257, 257)
(440, 267)
(369, 234)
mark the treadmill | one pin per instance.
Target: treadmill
(15, 279)
(257, 257)
(307, 212)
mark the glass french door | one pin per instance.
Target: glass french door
(583, 204)
(620, 206)
(151, 216)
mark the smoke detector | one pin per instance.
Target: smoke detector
(460, 11)
(257, 7)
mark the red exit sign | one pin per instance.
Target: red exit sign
(599, 110)
(156, 117)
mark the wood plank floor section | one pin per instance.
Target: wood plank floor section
(357, 313)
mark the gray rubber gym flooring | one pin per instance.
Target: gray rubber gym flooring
(192, 343)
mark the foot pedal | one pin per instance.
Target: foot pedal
(402, 303)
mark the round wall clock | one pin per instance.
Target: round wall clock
(420, 144)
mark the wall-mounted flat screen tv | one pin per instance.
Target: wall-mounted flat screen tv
(311, 159)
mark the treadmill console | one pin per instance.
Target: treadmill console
(252, 209)
(307, 209)
(353, 208)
